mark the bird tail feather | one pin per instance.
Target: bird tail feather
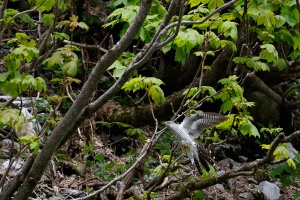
(204, 159)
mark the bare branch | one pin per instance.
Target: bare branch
(87, 46)
(292, 136)
(68, 125)
(258, 83)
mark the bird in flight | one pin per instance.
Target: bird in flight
(188, 130)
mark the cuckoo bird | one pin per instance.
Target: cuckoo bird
(188, 130)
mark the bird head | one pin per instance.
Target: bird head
(172, 126)
(168, 123)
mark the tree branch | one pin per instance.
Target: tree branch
(67, 125)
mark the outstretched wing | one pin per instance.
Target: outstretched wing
(194, 124)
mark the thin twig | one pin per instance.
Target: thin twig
(163, 175)
(87, 46)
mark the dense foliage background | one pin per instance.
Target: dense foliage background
(86, 85)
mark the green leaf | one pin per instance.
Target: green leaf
(118, 67)
(61, 36)
(41, 84)
(282, 65)
(56, 58)
(269, 52)
(152, 81)
(100, 158)
(230, 44)
(83, 25)
(121, 125)
(134, 131)
(116, 64)
(12, 117)
(290, 14)
(191, 93)
(48, 20)
(280, 20)
(134, 84)
(250, 129)
(70, 68)
(160, 168)
(180, 55)
(156, 94)
(291, 163)
(10, 13)
(199, 53)
(29, 80)
(33, 142)
(226, 106)
(211, 90)
(21, 37)
(295, 54)
(252, 63)
(3, 77)
(194, 3)
(44, 5)
(71, 80)
(27, 19)
(185, 41)
(296, 40)
(207, 175)
(62, 6)
(229, 28)
(144, 35)
(286, 35)
(199, 195)
(62, 23)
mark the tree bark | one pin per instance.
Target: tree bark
(67, 124)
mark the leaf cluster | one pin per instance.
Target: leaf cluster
(150, 84)
(286, 171)
(14, 82)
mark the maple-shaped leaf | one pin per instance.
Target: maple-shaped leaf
(134, 84)
(44, 5)
(152, 80)
(48, 19)
(250, 129)
(70, 68)
(61, 36)
(156, 94)
(269, 53)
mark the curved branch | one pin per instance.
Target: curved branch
(290, 89)
(87, 46)
(292, 136)
(258, 83)
(67, 125)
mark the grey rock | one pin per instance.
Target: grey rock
(292, 150)
(271, 190)
(219, 186)
(15, 167)
(243, 158)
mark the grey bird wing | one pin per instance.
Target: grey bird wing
(196, 123)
